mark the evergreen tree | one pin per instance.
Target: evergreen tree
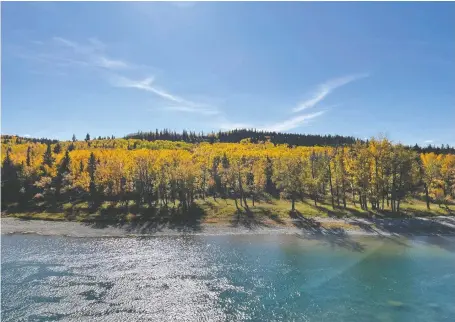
(87, 137)
(48, 159)
(91, 170)
(81, 167)
(11, 184)
(29, 157)
(74, 138)
(57, 148)
(65, 163)
(63, 170)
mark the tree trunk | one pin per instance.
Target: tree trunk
(236, 204)
(331, 187)
(336, 183)
(338, 195)
(293, 204)
(242, 196)
(245, 203)
(427, 196)
(376, 206)
(343, 188)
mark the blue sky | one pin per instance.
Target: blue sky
(358, 69)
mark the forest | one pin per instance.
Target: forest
(236, 136)
(375, 175)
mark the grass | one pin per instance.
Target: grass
(268, 213)
(40, 216)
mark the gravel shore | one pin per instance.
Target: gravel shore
(324, 226)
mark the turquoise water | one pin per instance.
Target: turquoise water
(227, 278)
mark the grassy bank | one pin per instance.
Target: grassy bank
(210, 211)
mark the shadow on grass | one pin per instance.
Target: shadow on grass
(340, 212)
(335, 237)
(255, 217)
(246, 218)
(148, 220)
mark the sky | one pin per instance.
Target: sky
(360, 69)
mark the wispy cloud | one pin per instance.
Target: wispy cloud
(299, 120)
(292, 123)
(189, 109)
(110, 63)
(26, 135)
(91, 54)
(63, 53)
(147, 85)
(281, 126)
(428, 141)
(68, 43)
(325, 89)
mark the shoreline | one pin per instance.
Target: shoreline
(315, 226)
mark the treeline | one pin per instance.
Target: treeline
(443, 149)
(375, 174)
(235, 136)
(20, 145)
(14, 139)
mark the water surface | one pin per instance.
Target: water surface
(231, 277)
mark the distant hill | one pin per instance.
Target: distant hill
(255, 136)
(236, 136)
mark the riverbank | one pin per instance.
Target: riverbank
(443, 225)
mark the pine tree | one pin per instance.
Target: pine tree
(47, 157)
(91, 170)
(64, 164)
(74, 138)
(81, 167)
(63, 170)
(57, 148)
(29, 157)
(10, 179)
(87, 137)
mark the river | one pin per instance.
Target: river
(227, 278)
